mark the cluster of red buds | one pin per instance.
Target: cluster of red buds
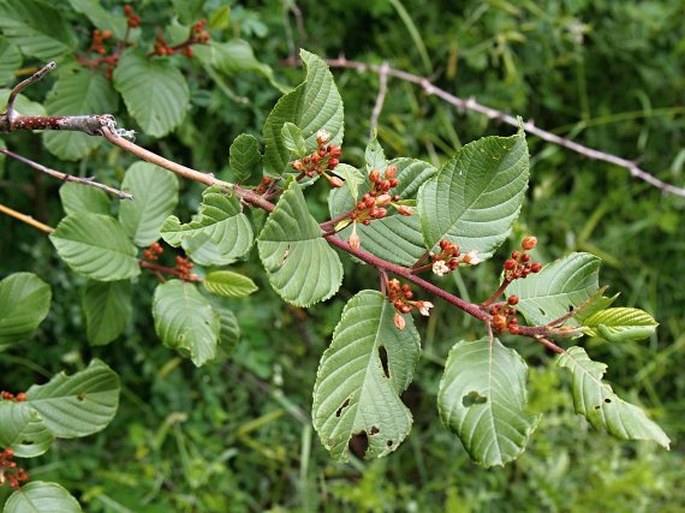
(9, 472)
(198, 33)
(184, 268)
(325, 158)
(153, 252)
(504, 316)
(9, 396)
(264, 185)
(97, 44)
(132, 19)
(373, 204)
(449, 258)
(519, 265)
(401, 298)
(161, 46)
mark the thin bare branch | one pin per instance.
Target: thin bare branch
(89, 181)
(38, 75)
(26, 219)
(472, 105)
(380, 99)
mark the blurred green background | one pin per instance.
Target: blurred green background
(236, 436)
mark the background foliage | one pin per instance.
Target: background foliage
(237, 436)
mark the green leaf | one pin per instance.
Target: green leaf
(155, 195)
(557, 289)
(95, 246)
(104, 19)
(620, 324)
(108, 309)
(361, 376)
(302, 267)
(218, 235)
(77, 405)
(293, 139)
(37, 28)
(476, 196)
(185, 321)
(229, 284)
(10, 61)
(155, 92)
(23, 429)
(482, 398)
(395, 238)
(83, 92)
(229, 334)
(24, 303)
(598, 403)
(232, 57)
(41, 497)
(23, 106)
(353, 179)
(245, 157)
(314, 105)
(374, 156)
(77, 197)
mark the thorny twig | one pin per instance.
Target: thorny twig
(529, 126)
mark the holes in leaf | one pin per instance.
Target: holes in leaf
(358, 444)
(472, 398)
(286, 254)
(389, 443)
(374, 430)
(383, 355)
(82, 396)
(607, 400)
(542, 312)
(27, 442)
(570, 308)
(597, 407)
(344, 405)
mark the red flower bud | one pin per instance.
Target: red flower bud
(529, 243)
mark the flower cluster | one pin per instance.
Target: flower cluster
(132, 19)
(184, 268)
(198, 35)
(9, 472)
(325, 158)
(373, 203)
(504, 316)
(99, 37)
(401, 298)
(9, 396)
(519, 265)
(153, 252)
(449, 258)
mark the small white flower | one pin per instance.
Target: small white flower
(473, 257)
(440, 267)
(423, 307)
(323, 135)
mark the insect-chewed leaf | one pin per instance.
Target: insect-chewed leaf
(23, 429)
(77, 405)
(312, 106)
(559, 288)
(482, 398)
(361, 376)
(218, 235)
(476, 196)
(598, 403)
(302, 267)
